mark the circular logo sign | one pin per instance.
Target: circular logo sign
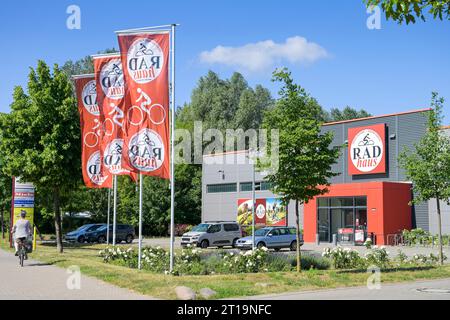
(111, 79)
(145, 60)
(146, 151)
(94, 169)
(260, 211)
(367, 150)
(89, 96)
(112, 158)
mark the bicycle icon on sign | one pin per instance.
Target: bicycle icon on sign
(146, 107)
(92, 138)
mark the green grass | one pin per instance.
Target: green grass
(227, 286)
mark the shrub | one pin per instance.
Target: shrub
(312, 262)
(378, 256)
(343, 258)
(251, 261)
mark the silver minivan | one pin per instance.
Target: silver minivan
(213, 234)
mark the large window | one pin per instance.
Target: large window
(259, 186)
(338, 213)
(220, 188)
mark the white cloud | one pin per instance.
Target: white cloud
(260, 56)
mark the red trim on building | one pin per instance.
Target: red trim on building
(388, 209)
(377, 117)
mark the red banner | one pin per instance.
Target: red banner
(94, 174)
(145, 57)
(111, 101)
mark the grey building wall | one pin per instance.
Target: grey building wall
(445, 211)
(231, 168)
(403, 130)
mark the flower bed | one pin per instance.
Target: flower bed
(193, 261)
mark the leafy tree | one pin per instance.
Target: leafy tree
(348, 113)
(41, 137)
(428, 166)
(305, 156)
(410, 10)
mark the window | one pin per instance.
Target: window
(259, 186)
(215, 228)
(283, 232)
(220, 188)
(230, 227)
(275, 232)
(360, 202)
(322, 202)
(292, 231)
(341, 202)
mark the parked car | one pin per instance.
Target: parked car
(272, 238)
(124, 232)
(79, 235)
(213, 234)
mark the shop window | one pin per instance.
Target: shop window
(341, 202)
(361, 202)
(322, 202)
(220, 188)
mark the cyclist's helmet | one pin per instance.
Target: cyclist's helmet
(23, 213)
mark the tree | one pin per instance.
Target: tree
(305, 156)
(347, 113)
(41, 137)
(410, 10)
(428, 166)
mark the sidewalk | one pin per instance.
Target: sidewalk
(39, 281)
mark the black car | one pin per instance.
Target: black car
(124, 232)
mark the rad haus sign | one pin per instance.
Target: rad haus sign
(367, 150)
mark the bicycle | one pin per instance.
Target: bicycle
(22, 253)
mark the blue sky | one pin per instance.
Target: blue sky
(389, 70)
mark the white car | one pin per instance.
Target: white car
(213, 234)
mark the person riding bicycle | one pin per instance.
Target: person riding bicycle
(21, 231)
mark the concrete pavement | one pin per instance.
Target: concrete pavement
(422, 290)
(39, 281)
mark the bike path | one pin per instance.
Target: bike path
(40, 281)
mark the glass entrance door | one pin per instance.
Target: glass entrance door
(340, 213)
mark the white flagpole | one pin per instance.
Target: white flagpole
(172, 154)
(141, 184)
(109, 213)
(115, 211)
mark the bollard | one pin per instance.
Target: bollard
(317, 239)
(334, 239)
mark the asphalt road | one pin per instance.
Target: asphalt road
(423, 290)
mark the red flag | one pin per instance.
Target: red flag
(111, 101)
(145, 57)
(94, 175)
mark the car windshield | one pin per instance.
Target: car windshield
(201, 228)
(84, 227)
(93, 228)
(261, 232)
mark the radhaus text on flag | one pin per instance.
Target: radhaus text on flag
(111, 101)
(94, 173)
(145, 58)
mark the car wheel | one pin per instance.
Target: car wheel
(293, 246)
(129, 239)
(235, 242)
(261, 245)
(101, 239)
(81, 239)
(204, 244)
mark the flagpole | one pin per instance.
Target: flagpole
(141, 184)
(109, 212)
(115, 211)
(172, 154)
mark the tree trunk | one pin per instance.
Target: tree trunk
(58, 228)
(441, 254)
(299, 252)
(3, 223)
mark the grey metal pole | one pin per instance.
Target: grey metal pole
(115, 211)
(109, 213)
(253, 206)
(172, 154)
(141, 184)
